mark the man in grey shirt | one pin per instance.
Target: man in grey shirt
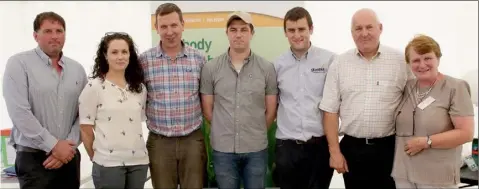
(302, 156)
(239, 97)
(41, 89)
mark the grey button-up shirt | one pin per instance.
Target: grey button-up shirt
(239, 122)
(42, 104)
(300, 82)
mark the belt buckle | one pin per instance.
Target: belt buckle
(368, 143)
(299, 142)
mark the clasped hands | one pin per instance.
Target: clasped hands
(62, 153)
(415, 145)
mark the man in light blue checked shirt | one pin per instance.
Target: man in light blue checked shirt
(41, 89)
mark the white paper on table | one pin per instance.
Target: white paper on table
(11, 153)
(467, 147)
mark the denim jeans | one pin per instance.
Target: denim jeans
(231, 168)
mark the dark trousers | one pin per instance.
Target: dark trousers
(303, 165)
(32, 174)
(119, 177)
(370, 162)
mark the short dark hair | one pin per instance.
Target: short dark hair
(52, 16)
(133, 73)
(296, 14)
(167, 8)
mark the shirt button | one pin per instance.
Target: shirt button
(237, 120)
(237, 106)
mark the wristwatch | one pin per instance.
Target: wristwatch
(429, 142)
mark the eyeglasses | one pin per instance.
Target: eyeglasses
(410, 134)
(116, 33)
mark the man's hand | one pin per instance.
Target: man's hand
(64, 151)
(90, 155)
(338, 162)
(52, 163)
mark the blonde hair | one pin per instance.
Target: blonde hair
(423, 44)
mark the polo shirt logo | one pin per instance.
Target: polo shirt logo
(318, 70)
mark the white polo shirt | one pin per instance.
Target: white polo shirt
(117, 115)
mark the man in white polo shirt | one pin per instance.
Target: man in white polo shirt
(302, 157)
(363, 87)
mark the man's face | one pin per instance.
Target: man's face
(170, 28)
(298, 34)
(239, 34)
(50, 37)
(366, 31)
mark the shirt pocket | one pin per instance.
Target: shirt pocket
(255, 89)
(191, 78)
(387, 90)
(255, 85)
(315, 84)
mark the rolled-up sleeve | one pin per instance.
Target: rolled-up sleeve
(89, 103)
(331, 97)
(206, 80)
(15, 93)
(271, 80)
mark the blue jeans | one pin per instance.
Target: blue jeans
(230, 168)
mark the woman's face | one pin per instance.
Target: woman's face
(118, 55)
(425, 66)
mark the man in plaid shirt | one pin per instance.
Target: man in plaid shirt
(172, 72)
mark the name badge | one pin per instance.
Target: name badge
(318, 70)
(425, 103)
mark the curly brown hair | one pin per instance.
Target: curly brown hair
(133, 73)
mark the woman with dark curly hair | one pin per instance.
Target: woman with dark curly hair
(112, 109)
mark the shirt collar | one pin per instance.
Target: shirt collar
(380, 50)
(247, 59)
(160, 53)
(46, 59)
(305, 54)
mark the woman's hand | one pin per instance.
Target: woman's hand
(415, 145)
